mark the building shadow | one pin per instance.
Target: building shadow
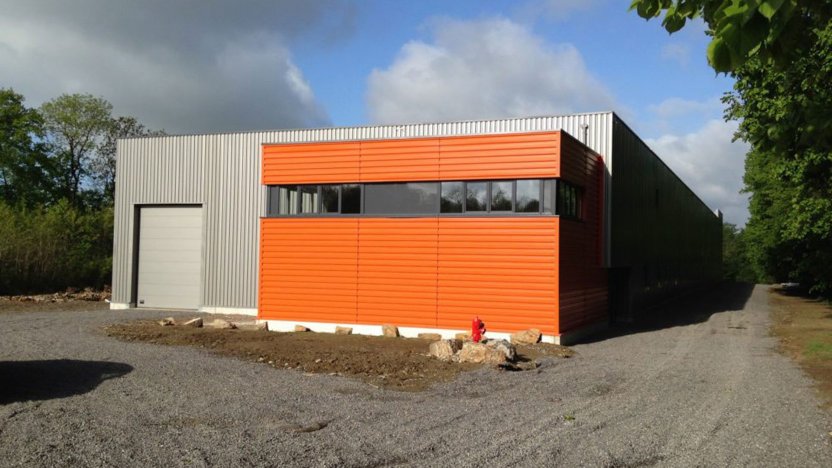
(693, 307)
(59, 378)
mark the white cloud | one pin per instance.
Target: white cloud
(490, 68)
(676, 51)
(219, 67)
(711, 164)
(678, 107)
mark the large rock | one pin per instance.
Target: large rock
(167, 322)
(526, 337)
(391, 331)
(463, 336)
(444, 350)
(504, 347)
(195, 323)
(252, 326)
(343, 331)
(222, 324)
(479, 353)
(301, 328)
(430, 336)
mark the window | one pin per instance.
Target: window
(549, 197)
(351, 198)
(308, 199)
(401, 198)
(451, 193)
(528, 196)
(569, 200)
(329, 198)
(287, 200)
(476, 196)
(501, 195)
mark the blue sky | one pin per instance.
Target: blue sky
(197, 66)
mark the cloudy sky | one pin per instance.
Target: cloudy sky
(195, 66)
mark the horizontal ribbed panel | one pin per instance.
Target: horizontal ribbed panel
(319, 163)
(400, 160)
(583, 280)
(308, 269)
(499, 156)
(420, 272)
(502, 270)
(397, 271)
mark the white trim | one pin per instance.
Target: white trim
(119, 306)
(228, 310)
(375, 330)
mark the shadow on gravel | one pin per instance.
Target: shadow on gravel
(60, 378)
(689, 309)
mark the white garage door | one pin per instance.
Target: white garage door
(170, 257)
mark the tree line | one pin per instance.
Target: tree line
(57, 184)
(780, 54)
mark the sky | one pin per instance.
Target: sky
(199, 66)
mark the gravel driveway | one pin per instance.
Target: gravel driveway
(707, 389)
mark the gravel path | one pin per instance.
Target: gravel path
(706, 390)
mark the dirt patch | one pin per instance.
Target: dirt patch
(393, 363)
(10, 306)
(804, 326)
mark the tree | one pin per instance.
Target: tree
(103, 164)
(76, 125)
(769, 30)
(23, 160)
(736, 263)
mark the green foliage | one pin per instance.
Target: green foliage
(49, 248)
(103, 165)
(785, 117)
(75, 127)
(768, 30)
(736, 262)
(23, 161)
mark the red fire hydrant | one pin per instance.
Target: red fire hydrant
(477, 329)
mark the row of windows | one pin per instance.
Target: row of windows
(523, 196)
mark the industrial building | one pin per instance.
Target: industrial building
(560, 223)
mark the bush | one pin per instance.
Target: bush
(46, 249)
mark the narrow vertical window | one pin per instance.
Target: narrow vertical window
(308, 199)
(476, 196)
(287, 202)
(528, 196)
(501, 196)
(451, 201)
(549, 196)
(329, 199)
(351, 198)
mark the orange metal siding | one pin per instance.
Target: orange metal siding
(503, 270)
(397, 271)
(308, 269)
(500, 156)
(511, 156)
(390, 160)
(583, 281)
(419, 272)
(311, 163)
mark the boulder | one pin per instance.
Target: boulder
(301, 328)
(252, 326)
(463, 336)
(444, 350)
(222, 324)
(430, 336)
(390, 330)
(479, 353)
(526, 337)
(343, 331)
(195, 323)
(167, 322)
(504, 347)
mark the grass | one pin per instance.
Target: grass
(804, 327)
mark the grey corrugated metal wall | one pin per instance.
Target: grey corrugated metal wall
(221, 172)
(663, 236)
